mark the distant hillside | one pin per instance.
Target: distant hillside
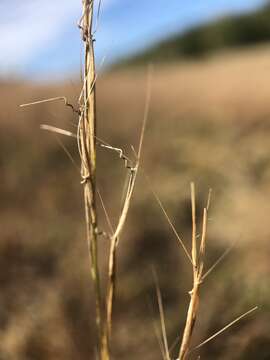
(228, 32)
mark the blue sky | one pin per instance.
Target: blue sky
(40, 38)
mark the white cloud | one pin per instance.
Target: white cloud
(30, 26)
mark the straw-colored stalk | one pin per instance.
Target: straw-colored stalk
(87, 146)
(114, 239)
(197, 266)
(198, 257)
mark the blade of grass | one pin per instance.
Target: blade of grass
(224, 328)
(57, 130)
(168, 218)
(58, 98)
(219, 260)
(162, 316)
(194, 230)
(105, 212)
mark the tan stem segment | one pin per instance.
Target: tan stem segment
(190, 322)
(87, 133)
(197, 266)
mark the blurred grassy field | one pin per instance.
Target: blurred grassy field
(209, 123)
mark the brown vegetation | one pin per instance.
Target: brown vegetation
(209, 124)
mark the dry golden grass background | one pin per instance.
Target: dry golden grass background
(209, 123)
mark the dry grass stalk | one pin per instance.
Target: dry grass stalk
(133, 171)
(197, 266)
(198, 256)
(86, 137)
(87, 146)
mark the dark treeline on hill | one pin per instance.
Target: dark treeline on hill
(228, 32)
